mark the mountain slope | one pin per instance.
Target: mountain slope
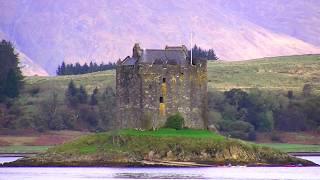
(28, 66)
(55, 30)
(296, 18)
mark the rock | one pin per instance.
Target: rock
(213, 128)
(204, 155)
(151, 155)
(170, 155)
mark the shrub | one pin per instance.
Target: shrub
(34, 91)
(237, 129)
(175, 122)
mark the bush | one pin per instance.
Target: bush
(237, 129)
(175, 122)
(34, 91)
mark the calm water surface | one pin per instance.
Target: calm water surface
(221, 173)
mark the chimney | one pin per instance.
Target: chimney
(137, 51)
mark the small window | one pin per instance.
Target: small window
(163, 80)
(161, 99)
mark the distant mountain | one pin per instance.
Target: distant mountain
(296, 18)
(28, 66)
(55, 30)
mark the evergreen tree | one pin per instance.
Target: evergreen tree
(94, 98)
(12, 85)
(77, 68)
(71, 93)
(198, 52)
(82, 95)
(10, 73)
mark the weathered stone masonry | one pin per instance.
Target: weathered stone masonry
(153, 84)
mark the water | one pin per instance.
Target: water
(8, 159)
(221, 173)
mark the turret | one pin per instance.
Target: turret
(137, 51)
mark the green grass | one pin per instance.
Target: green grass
(179, 145)
(276, 74)
(294, 147)
(23, 149)
(192, 133)
(100, 142)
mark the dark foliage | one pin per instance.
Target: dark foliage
(71, 93)
(198, 52)
(175, 122)
(94, 97)
(10, 73)
(77, 68)
(240, 114)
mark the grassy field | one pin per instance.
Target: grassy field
(174, 133)
(23, 149)
(278, 73)
(294, 147)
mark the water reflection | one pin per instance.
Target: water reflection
(157, 176)
(220, 173)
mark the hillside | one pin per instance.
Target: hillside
(53, 31)
(28, 66)
(277, 73)
(164, 147)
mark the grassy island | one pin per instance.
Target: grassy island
(163, 147)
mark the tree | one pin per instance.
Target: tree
(71, 93)
(77, 68)
(12, 85)
(82, 95)
(94, 98)
(198, 52)
(48, 114)
(265, 121)
(107, 109)
(10, 73)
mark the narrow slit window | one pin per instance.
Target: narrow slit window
(161, 99)
(163, 80)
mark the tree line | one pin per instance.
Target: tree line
(77, 68)
(79, 110)
(241, 114)
(198, 52)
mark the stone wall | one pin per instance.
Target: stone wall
(148, 94)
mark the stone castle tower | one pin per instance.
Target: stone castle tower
(156, 83)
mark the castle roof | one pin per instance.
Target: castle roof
(166, 56)
(170, 55)
(129, 61)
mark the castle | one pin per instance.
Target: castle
(156, 83)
